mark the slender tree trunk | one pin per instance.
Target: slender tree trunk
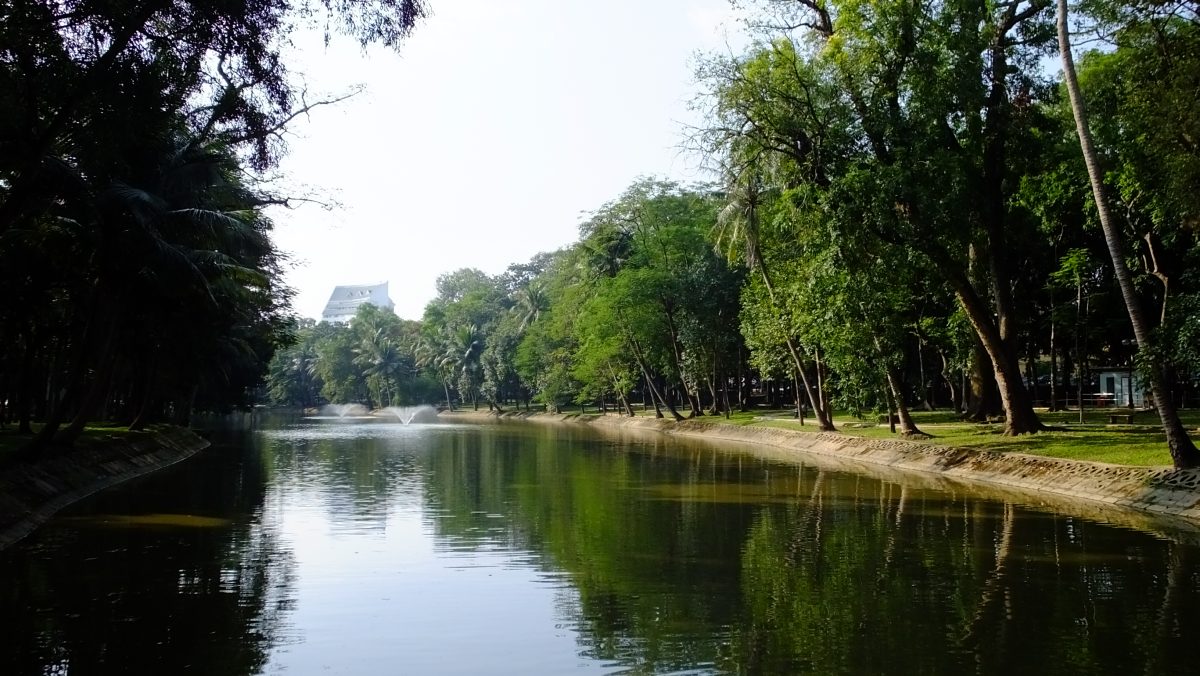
(183, 413)
(655, 394)
(891, 408)
(712, 384)
(822, 381)
(927, 402)
(626, 405)
(649, 390)
(907, 427)
(743, 398)
(725, 395)
(78, 364)
(143, 415)
(91, 401)
(24, 411)
(668, 399)
(1053, 359)
(824, 421)
(955, 392)
(676, 352)
(796, 391)
(1183, 451)
(446, 388)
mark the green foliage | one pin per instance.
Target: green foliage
(134, 139)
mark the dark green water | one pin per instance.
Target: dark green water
(321, 548)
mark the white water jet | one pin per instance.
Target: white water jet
(343, 410)
(408, 415)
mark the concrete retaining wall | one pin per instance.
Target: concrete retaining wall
(1159, 490)
(30, 493)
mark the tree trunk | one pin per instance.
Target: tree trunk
(891, 410)
(1053, 359)
(626, 405)
(1183, 451)
(984, 400)
(1018, 408)
(955, 392)
(676, 352)
(24, 409)
(796, 391)
(712, 385)
(183, 412)
(655, 394)
(91, 401)
(148, 396)
(907, 427)
(927, 402)
(742, 384)
(824, 422)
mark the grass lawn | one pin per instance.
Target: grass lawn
(11, 443)
(1141, 443)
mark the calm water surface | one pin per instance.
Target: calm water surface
(317, 547)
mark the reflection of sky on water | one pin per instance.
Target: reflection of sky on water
(377, 548)
(378, 587)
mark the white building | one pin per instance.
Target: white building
(1118, 388)
(344, 301)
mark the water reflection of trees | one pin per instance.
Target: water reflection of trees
(85, 598)
(684, 558)
(357, 480)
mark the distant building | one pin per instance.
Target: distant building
(344, 301)
(1118, 387)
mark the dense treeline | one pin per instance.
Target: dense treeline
(904, 219)
(139, 277)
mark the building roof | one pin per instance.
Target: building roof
(344, 301)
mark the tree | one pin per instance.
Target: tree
(909, 109)
(1183, 451)
(133, 137)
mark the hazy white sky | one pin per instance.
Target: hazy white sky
(483, 140)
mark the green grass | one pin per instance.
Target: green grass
(11, 442)
(1142, 443)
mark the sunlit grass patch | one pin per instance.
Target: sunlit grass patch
(1142, 443)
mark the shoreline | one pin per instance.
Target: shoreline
(32, 492)
(1155, 492)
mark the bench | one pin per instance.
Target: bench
(1120, 418)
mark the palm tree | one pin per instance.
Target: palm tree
(183, 228)
(738, 225)
(531, 301)
(429, 352)
(463, 349)
(1183, 451)
(380, 357)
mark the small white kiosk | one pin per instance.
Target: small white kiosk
(1118, 387)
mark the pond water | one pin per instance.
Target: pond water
(326, 547)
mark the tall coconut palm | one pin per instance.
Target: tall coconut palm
(463, 349)
(428, 350)
(1183, 451)
(738, 227)
(380, 357)
(531, 300)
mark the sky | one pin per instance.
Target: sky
(486, 137)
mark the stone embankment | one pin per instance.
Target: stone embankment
(32, 492)
(1157, 490)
